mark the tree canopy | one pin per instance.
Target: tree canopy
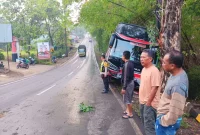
(102, 16)
(32, 18)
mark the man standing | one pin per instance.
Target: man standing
(170, 109)
(128, 84)
(104, 73)
(149, 92)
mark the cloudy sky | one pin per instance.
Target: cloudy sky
(75, 10)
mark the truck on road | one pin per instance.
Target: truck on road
(82, 50)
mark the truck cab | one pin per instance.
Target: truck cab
(127, 37)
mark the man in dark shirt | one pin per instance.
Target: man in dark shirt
(128, 84)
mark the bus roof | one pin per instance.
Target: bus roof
(81, 46)
(133, 39)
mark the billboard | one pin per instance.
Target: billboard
(5, 33)
(43, 50)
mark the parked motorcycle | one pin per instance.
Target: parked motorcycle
(54, 59)
(22, 64)
(32, 61)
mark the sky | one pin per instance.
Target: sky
(75, 10)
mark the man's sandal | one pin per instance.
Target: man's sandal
(125, 112)
(127, 116)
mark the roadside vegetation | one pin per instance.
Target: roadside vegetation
(102, 17)
(36, 21)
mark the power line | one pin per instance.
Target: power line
(141, 18)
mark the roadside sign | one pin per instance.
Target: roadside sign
(5, 33)
(43, 50)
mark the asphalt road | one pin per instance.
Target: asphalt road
(48, 103)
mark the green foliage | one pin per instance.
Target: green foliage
(184, 124)
(194, 79)
(43, 62)
(1, 50)
(186, 115)
(58, 53)
(101, 17)
(2, 57)
(85, 108)
(66, 2)
(33, 55)
(152, 33)
(32, 18)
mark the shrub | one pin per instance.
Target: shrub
(43, 62)
(194, 79)
(59, 52)
(2, 57)
(32, 55)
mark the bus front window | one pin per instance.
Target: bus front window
(120, 46)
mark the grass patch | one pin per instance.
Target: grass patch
(184, 124)
(186, 115)
(136, 107)
(85, 108)
(44, 62)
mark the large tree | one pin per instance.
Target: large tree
(170, 32)
(102, 16)
(24, 26)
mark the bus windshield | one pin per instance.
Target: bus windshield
(120, 46)
(81, 50)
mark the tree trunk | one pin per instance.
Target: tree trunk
(66, 53)
(171, 26)
(49, 33)
(170, 33)
(50, 36)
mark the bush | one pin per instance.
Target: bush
(33, 55)
(194, 79)
(2, 57)
(59, 52)
(43, 62)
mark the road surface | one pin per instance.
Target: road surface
(48, 103)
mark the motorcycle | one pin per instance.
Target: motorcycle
(32, 61)
(22, 64)
(54, 59)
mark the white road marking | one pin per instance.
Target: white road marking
(74, 62)
(82, 64)
(70, 73)
(46, 90)
(25, 78)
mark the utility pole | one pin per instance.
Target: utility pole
(66, 53)
(8, 58)
(65, 30)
